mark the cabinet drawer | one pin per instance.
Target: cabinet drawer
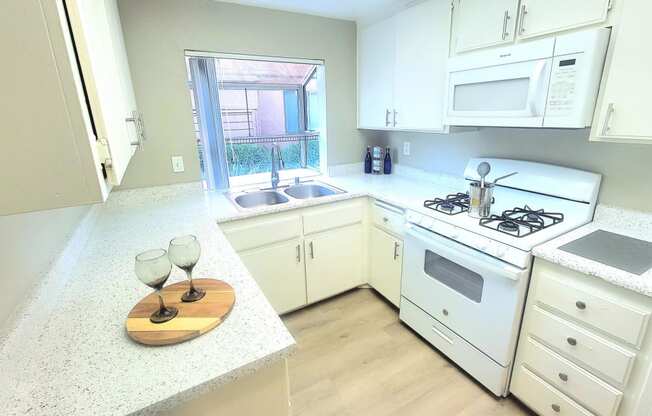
(256, 232)
(390, 218)
(483, 368)
(541, 397)
(581, 345)
(618, 319)
(570, 379)
(332, 216)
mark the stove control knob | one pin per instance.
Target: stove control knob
(454, 233)
(501, 251)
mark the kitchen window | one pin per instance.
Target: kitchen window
(242, 106)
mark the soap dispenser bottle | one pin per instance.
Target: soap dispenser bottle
(387, 166)
(367, 161)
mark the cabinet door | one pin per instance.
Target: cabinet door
(376, 45)
(386, 258)
(626, 88)
(103, 59)
(540, 17)
(422, 40)
(279, 271)
(333, 262)
(480, 23)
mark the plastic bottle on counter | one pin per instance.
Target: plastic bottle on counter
(387, 167)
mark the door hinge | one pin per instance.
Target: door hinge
(104, 152)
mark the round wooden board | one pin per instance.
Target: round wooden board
(193, 320)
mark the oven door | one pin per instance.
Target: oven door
(475, 295)
(511, 94)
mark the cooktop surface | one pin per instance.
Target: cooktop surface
(626, 253)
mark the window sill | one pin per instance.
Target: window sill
(265, 178)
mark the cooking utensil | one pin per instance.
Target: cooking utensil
(480, 199)
(503, 177)
(483, 170)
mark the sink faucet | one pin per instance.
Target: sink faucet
(277, 164)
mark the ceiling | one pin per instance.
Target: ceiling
(356, 10)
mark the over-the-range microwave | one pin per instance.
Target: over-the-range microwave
(551, 82)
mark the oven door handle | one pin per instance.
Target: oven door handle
(464, 255)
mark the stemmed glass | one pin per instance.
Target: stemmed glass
(184, 252)
(153, 268)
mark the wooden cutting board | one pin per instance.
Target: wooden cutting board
(193, 320)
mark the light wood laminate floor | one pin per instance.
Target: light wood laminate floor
(355, 358)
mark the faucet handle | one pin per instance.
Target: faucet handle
(296, 180)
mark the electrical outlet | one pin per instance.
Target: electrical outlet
(177, 164)
(406, 148)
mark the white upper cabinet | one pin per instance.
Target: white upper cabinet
(103, 59)
(541, 17)
(422, 39)
(376, 45)
(481, 23)
(402, 69)
(621, 112)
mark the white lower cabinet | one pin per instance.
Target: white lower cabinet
(386, 259)
(334, 262)
(584, 347)
(303, 256)
(280, 272)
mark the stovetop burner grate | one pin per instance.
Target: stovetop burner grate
(453, 204)
(521, 222)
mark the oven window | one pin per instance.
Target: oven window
(501, 95)
(456, 277)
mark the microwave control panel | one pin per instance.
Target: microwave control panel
(563, 85)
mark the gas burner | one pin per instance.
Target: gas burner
(453, 204)
(520, 222)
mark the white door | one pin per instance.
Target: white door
(422, 40)
(103, 59)
(502, 95)
(333, 262)
(475, 295)
(386, 258)
(280, 272)
(376, 45)
(481, 24)
(626, 85)
(540, 17)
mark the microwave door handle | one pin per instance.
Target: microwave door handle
(535, 82)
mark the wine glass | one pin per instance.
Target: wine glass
(153, 268)
(184, 252)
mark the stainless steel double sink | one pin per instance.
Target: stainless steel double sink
(268, 197)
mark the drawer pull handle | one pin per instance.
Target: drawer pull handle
(563, 376)
(580, 305)
(572, 341)
(556, 408)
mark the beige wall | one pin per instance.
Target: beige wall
(626, 168)
(158, 31)
(30, 243)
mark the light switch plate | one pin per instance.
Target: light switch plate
(177, 164)
(406, 148)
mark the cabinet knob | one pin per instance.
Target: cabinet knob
(445, 312)
(563, 376)
(580, 305)
(556, 408)
(572, 341)
(385, 219)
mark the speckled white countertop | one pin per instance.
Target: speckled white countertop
(406, 189)
(67, 352)
(629, 223)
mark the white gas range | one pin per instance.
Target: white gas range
(465, 279)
